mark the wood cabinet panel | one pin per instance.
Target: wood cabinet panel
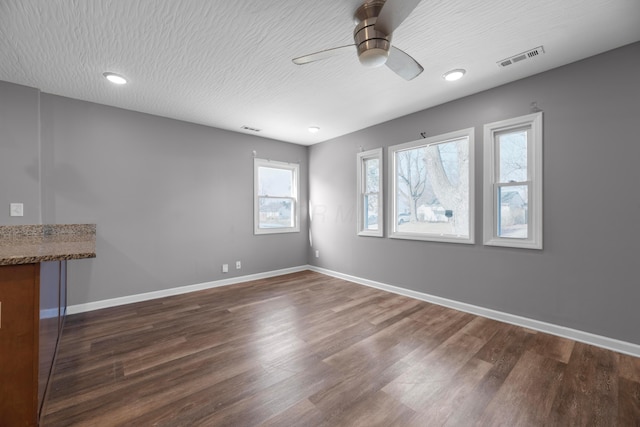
(19, 296)
(32, 305)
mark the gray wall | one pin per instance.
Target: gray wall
(587, 275)
(173, 201)
(19, 153)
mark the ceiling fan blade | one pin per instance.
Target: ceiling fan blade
(323, 54)
(393, 13)
(403, 65)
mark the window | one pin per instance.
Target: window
(513, 182)
(370, 218)
(276, 197)
(432, 188)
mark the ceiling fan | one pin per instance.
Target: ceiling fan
(375, 22)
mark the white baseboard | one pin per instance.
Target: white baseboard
(561, 331)
(97, 305)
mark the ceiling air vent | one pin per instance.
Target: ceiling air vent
(250, 128)
(530, 54)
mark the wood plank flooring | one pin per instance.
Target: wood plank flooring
(306, 349)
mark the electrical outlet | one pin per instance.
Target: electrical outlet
(225, 268)
(17, 209)
(238, 265)
(317, 254)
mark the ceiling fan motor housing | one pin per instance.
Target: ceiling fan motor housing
(373, 46)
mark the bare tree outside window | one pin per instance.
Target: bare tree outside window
(372, 190)
(370, 197)
(433, 189)
(512, 220)
(412, 177)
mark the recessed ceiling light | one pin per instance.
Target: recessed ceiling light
(454, 75)
(314, 129)
(115, 78)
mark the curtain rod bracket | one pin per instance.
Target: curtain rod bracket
(534, 107)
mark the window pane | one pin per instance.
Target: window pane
(512, 152)
(372, 174)
(432, 195)
(276, 212)
(513, 215)
(275, 182)
(369, 206)
(371, 211)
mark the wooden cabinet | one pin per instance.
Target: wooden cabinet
(32, 309)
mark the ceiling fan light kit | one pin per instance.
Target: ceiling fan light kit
(373, 57)
(375, 22)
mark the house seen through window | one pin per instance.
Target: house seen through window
(513, 182)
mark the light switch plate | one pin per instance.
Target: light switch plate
(17, 209)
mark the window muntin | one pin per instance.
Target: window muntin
(370, 212)
(276, 197)
(513, 182)
(432, 188)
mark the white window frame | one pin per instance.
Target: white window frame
(362, 158)
(295, 197)
(533, 124)
(393, 209)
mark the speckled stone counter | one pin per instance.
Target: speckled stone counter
(26, 244)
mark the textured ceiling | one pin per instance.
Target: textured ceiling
(228, 63)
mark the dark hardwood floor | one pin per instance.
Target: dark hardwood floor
(306, 349)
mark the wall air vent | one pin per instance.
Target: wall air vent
(250, 128)
(530, 54)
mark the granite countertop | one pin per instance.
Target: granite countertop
(27, 244)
